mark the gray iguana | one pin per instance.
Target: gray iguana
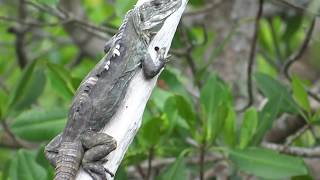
(100, 93)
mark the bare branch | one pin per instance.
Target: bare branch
(296, 151)
(298, 134)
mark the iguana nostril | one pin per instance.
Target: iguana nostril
(156, 48)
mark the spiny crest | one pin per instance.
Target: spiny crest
(123, 25)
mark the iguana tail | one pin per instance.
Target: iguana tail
(69, 159)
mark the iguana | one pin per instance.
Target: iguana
(100, 93)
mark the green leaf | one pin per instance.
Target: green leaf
(265, 67)
(267, 164)
(123, 6)
(30, 124)
(24, 166)
(229, 131)
(61, 81)
(300, 94)
(185, 110)
(274, 90)
(265, 36)
(170, 109)
(214, 99)
(316, 117)
(172, 79)
(5, 156)
(248, 128)
(303, 177)
(159, 98)
(293, 24)
(176, 121)
(151, 131)
(121, 173)
(19, 90)
(135, 157)
(196, 3)
(33, 90)
(176, 171)
(42, 161)
(267, 116)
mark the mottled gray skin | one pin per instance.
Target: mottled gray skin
(99, 95)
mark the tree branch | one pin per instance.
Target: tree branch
(125, 123)
(296, 151)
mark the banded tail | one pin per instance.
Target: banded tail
(69, 160)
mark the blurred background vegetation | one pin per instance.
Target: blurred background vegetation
(238, 100)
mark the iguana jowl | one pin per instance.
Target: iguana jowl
(99, 95)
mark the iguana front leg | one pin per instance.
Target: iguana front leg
(150, 68)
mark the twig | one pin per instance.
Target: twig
(296, 7)
(29, 22)
(297, 56)
(313, 131)
(296, 151)
(204, 10)
(140, 171)
(296, 135)
(313, 95)
(20, 32)
(158, 164)
(47, 9)
(188, 51)
(252, 56)
(16, 142)
(77, 59)
(292, 5)
(66, 17)
(301, 51)
(10, 134)
(202, 159)
(150, 158)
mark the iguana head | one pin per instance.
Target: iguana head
(155, 12)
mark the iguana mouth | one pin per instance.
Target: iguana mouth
(154, 13)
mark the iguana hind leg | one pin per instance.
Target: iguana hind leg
(97, 146)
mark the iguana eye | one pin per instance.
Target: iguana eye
(156, 3)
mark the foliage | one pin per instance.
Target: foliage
(179, 122)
